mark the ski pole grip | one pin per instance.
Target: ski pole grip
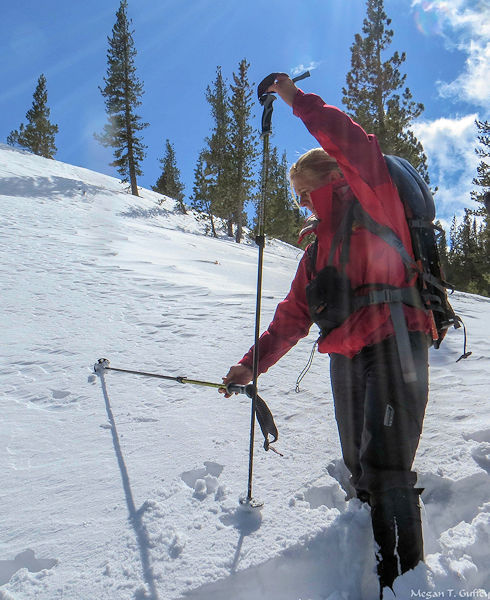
(266, 102)
(302, 76)
(269, 80)
(264, 84)
(234, 388)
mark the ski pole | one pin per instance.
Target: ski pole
(231, 388)
(263, 413)
(266, 99)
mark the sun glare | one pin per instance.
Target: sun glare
(429, 17)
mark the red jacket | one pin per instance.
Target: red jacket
(371, 259)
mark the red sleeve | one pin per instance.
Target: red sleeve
(291, 322)
(360, 158)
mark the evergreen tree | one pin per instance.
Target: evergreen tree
(122, 92)
(38, 135)
(243, 150)
(169, 183)
(454, 252)
(442, 248)
(281, 216)
(482, 179)
(468, 261)
(201, 198)
(374, 95)
(217, 155)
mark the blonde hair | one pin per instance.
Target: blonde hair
(315, 163)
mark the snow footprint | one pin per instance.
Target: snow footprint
(323, 492)
(330, 496)
(59, 394)
(24, 560)
(481, 453)
(203, 481)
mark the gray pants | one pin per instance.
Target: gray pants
(380, 419)
(379, 416)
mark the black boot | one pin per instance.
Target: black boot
(397, 528)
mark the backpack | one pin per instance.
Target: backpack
(329, 310)
(420, 212)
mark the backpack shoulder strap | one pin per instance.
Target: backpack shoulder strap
(343, 235)
(388, 235)
(312, 252)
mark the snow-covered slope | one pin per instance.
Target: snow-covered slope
(135, 495)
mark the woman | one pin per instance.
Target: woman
(379, 410)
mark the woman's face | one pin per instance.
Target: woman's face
(306, 182)
(303, 184)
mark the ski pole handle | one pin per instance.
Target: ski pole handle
(269, 80)
(266, 100)
(302, 76)
(234, 388)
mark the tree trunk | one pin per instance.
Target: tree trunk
(129, 135)
(132, 177)
(239, 225)
(211, 220)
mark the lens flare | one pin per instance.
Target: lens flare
(430, 16)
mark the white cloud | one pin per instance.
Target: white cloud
(464, 24)
(298, 70)
(473, 83)
(450, 148)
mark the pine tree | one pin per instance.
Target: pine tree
(122, 94)
(201, 199)
(482, 179)
(374, 95)
(281, 216)
(468, 263)
(169, 183)
(442, 247)
(217, 155)
(243, 149)
(38, 135)
(454, 252)
(470, 276)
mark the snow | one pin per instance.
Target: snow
(125, 487)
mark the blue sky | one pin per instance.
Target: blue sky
(181, 42)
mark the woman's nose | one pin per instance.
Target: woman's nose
(305, 200)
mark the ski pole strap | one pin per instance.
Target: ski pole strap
(265, 419)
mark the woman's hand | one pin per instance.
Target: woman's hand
(239, 374)
(284, 87)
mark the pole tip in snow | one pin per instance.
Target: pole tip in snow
(247, 504)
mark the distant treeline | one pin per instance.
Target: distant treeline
(227, 174)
